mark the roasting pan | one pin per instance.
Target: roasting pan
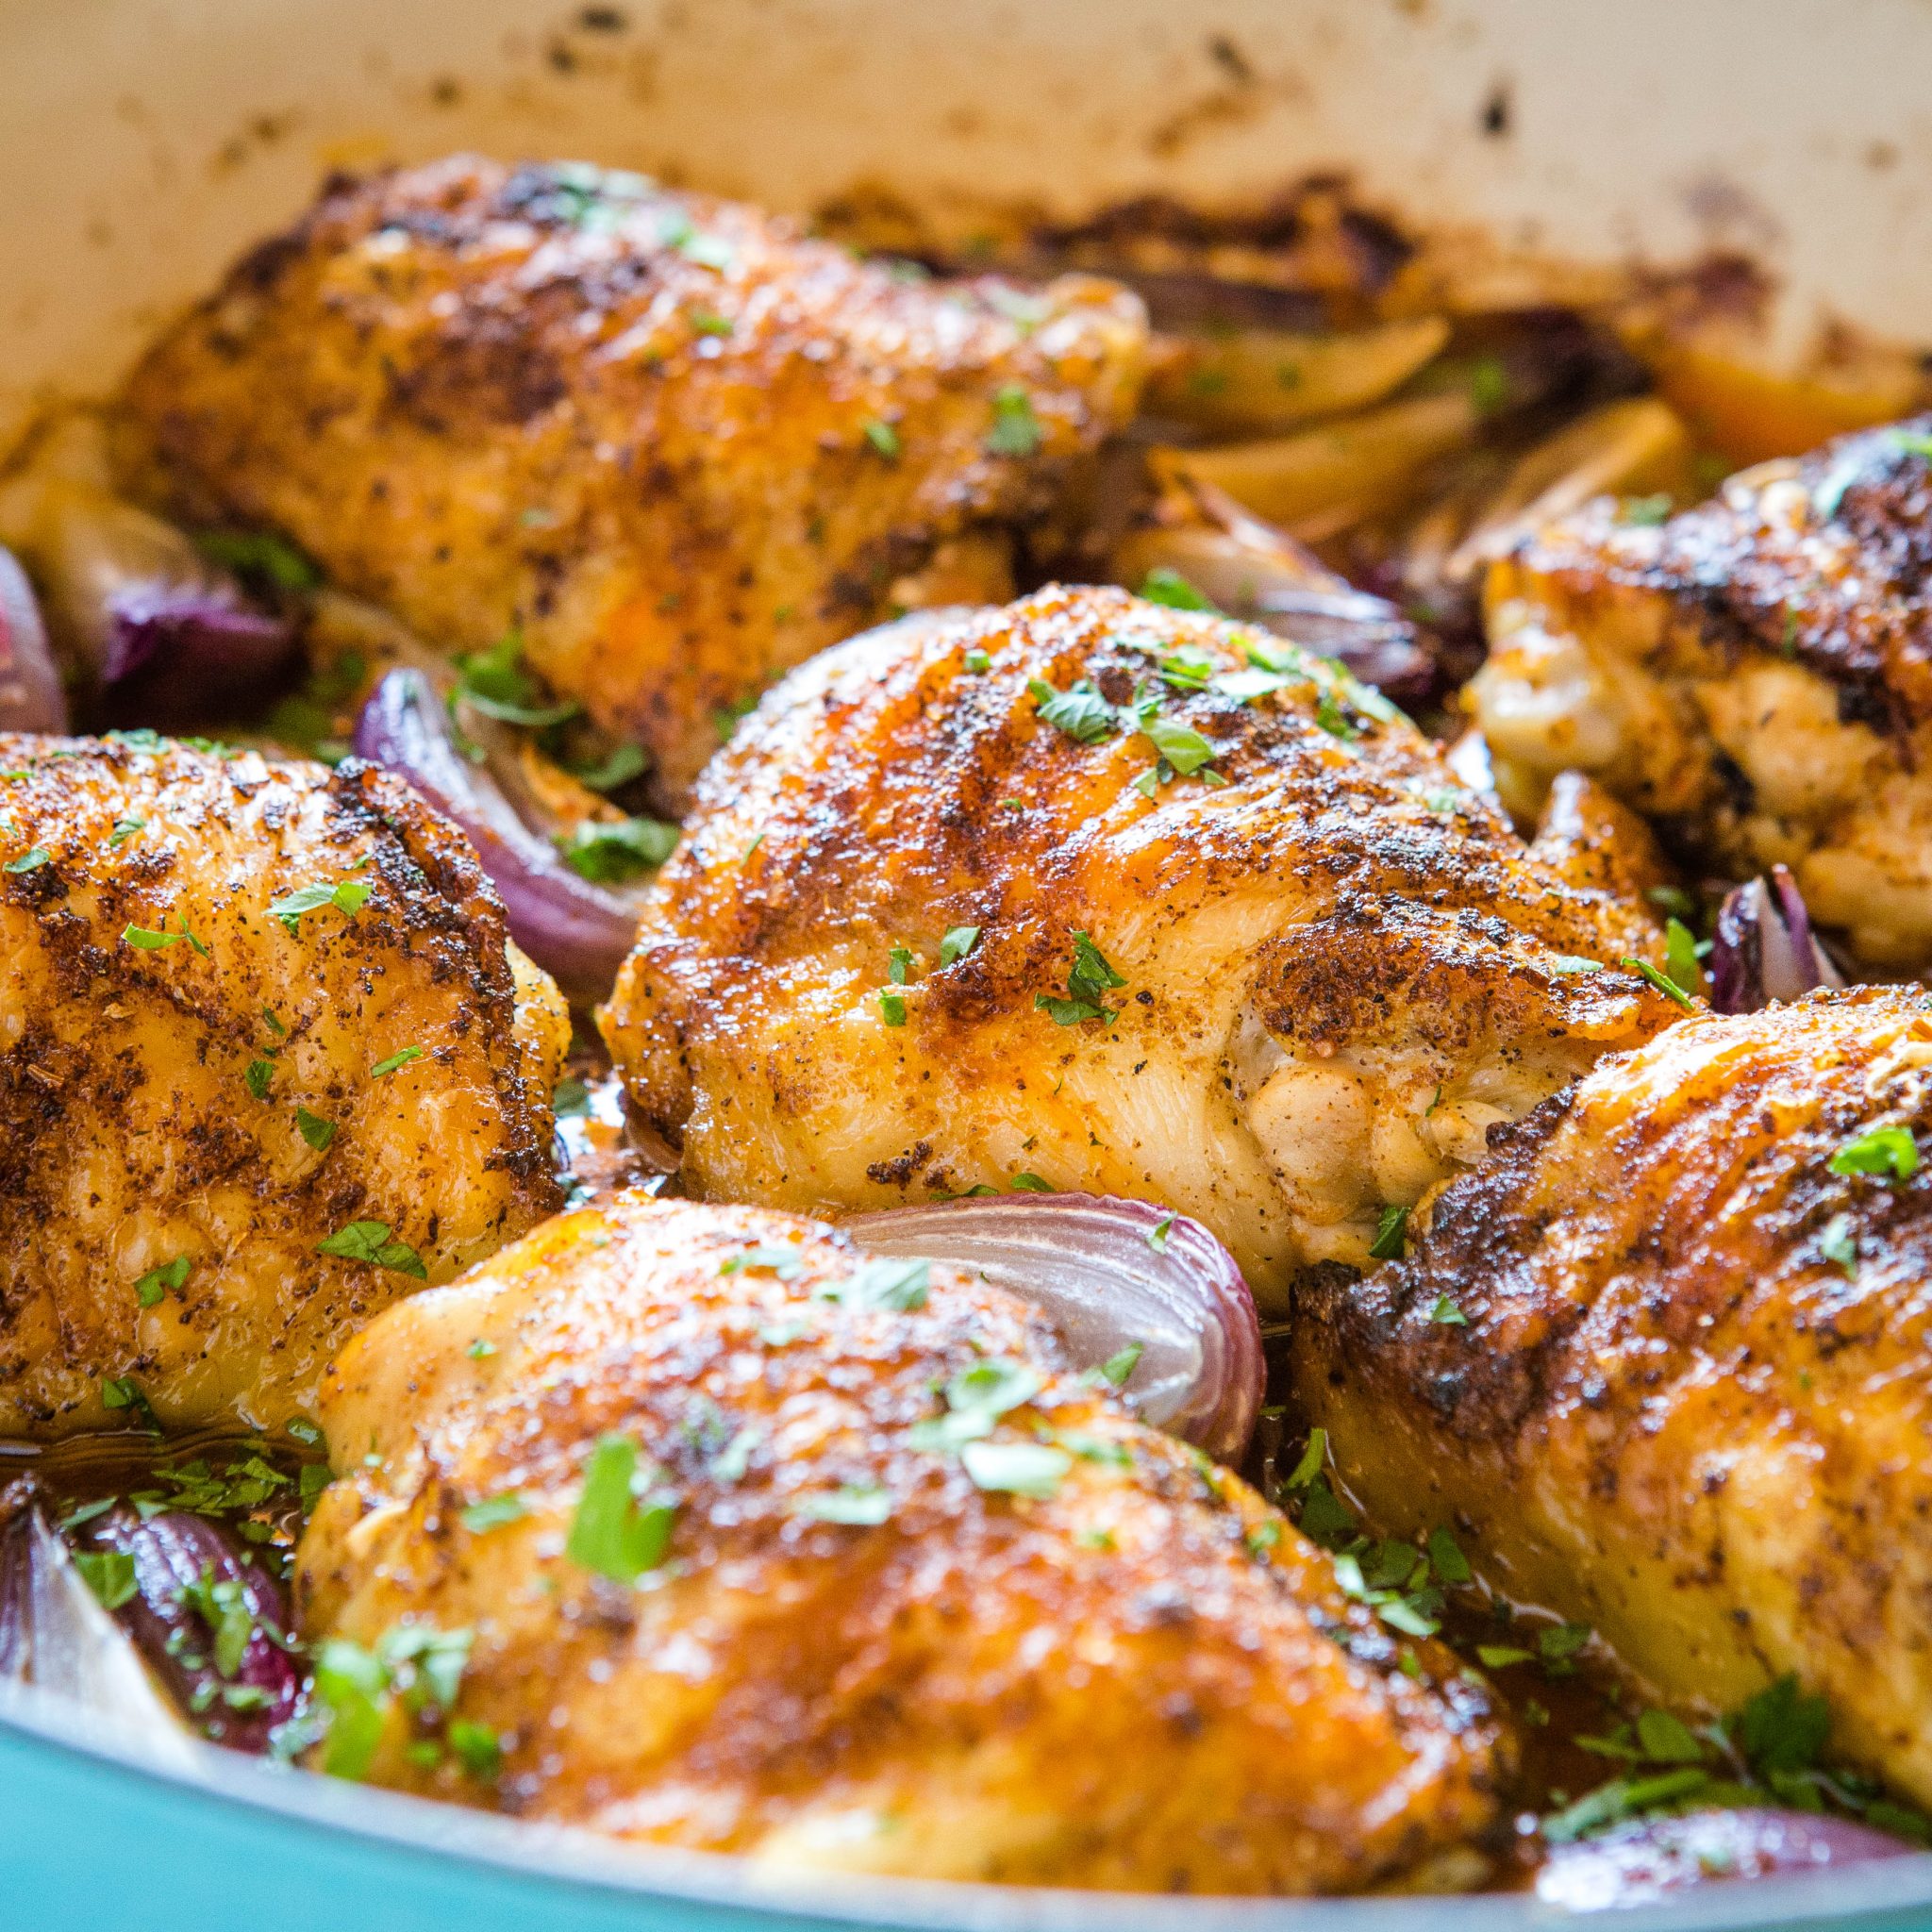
(143, 142)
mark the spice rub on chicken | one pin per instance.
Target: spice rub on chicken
(1086, 892)
(1755, 674)
(694, 1524)
(267, 1061)
(674, 441)
(1667, 1364)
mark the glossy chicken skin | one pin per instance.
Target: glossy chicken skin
(192, 1097)
(676, 442)
(1337, 968)
(1137, 1677)
(1756, 674)
(1692, 1404)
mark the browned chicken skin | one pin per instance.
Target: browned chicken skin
(857, 1649)
(1334, 970)
(192, 1097)
(1691, 1405)
(1756, 673)
(678, 443)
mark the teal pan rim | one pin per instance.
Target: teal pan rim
(90, 1836)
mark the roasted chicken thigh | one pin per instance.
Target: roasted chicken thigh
(267, 1061)
(1667, 1364)
(674, 442)
(726, 1536)
(1755, 674)
(1086, 892)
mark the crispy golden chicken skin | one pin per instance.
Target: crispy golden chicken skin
(858, 1647)
(1280, 994)
(678, 443)
(1756, 673)
(193, 1096)
(1692, 1404)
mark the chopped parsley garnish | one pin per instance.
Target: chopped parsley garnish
(314, 1129)
(348, 898)
(1016, 430)
(977, 661)
(306, 1432)
(786, 1263)
(1087, 980)
(1838, 1243)
(884, 439)
(861, 1505)
(372, 1241)
(124, 830)
(475, 1747)
(610, 853)
(959, 940)
(899, 965)
(1165, 585)
(892, 1007)
(1681, 958)
(1016, 1469)
(494, 1512)
(401, 1057)
(1499, 1656)
(109, 1573)
(1157, 1235)
(124, 1391)
(481, 1350)
(883, 1283)
(1391, 1235)
(1309, 1465)
(1446, 1557)
(626, 762)
(150, 942)
(1116, 1368)
(976, 1398)
(1082, 713)
(261, 555)
(1446, 1314)
(258, 1077)
(496, 682)
(1574, 963)
(222, 1604)
(153, 1286)
(1647, 511)
(1887, 1154)
(1557, 1644)
(1181, 745)
(1024, 1183)
(1489, 383)
(1664, 982)
(708, 322)
(571, 1099)
(619, 1530)
(30, 861)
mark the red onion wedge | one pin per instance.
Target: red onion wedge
(1114, 1275)
(1764, 948)
(30, 694)
(578, 931)
(1648, 1857)
(212, 1624)
(55, 1635)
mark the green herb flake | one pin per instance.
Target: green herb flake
(475, 1747)
(1499, 1656)
(1090, 977)
(1664, 982)
(1026, 1183)
(884, 439)
(401, 1057)
(496, 682)
(786, 1262)
(1446, 1557)
(616, 1532)
(1446, 1314)
(109, 1573)
(1119, 1365)
(977, 661)
(957, 943)
(481, 1350)
(862, 1505)
(1017, 1469)
(372, 1241)
(892, 1007)
(1885, 1154)
(314, 1129)
(124, 830)
(1082, 713)
(261, 555)
(1680, 956)
(1016, 430)
(883, 1282)
(494, 1512)
(258, 1077)
(1168, 588)
(150, 1288)
(1839, 1243)
(1156, 1235)
(624, 762)
(347, 896)
(612, 854)
(1574, 963)
(1309, 1465)
(1391, 1235)
(30, 861)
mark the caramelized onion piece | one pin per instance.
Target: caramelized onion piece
(30, 694)
(1764, 949)
(1126, 1283)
